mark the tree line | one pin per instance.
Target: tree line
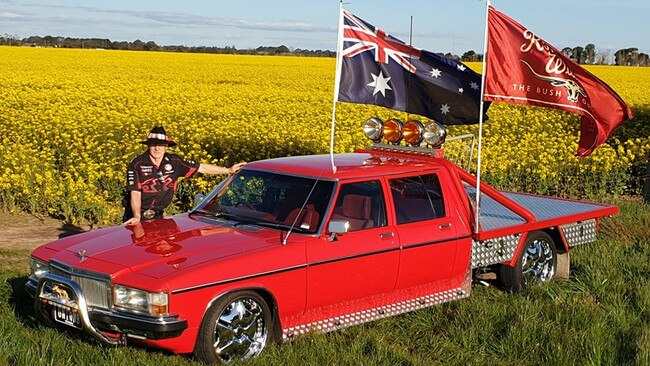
(624, 57)
(586, 55)
(138, 45)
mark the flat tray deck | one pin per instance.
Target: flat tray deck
(496, 216)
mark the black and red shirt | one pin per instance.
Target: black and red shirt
(157, 183)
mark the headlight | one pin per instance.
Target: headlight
(154, 303)
(38, 268)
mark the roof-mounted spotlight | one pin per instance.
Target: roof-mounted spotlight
(373, 129)
(392, 130)
(434, 134)
(412, 132)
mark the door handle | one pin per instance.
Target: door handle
(445, 226)
(387, 235)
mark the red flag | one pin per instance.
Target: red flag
(524, 69)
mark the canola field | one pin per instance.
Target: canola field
(71, 120)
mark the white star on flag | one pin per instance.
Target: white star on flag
(435, 73)
(380, 83)
(444, 109)
(461, 67)
(473, 85)
(461, 90)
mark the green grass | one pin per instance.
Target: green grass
(601, 316)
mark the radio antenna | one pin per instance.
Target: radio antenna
(302, 208)
(408, 78)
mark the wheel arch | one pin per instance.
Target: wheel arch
(264, 293)
(563, 264)
(560, 243)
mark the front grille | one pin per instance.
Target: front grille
(96, 286)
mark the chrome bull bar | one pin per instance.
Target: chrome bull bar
(55, 291)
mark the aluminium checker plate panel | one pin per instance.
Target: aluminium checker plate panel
(364, 316)
(493, 251)
(580, 232)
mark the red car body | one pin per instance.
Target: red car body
(311, 280)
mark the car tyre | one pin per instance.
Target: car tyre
(237, 326)
(536, 263)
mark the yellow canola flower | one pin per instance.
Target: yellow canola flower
(70, 121)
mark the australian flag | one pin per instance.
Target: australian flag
(382, 70)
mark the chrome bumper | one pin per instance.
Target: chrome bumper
(108, 327)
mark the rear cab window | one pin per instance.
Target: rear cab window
(417, 198)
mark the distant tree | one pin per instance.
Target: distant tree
(151, 46)
(137, 45)
(72, 42)
(123, 45)
(33, 41)
(590, 53)
(579, 55)
(567, 51)
(51, 41)
(643, 60)
(470, 56)
(627, 57)
(603, 57)
(282, 50)
(12, 39)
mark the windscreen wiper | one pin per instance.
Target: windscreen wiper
(202, 212)
(278, 225)
(230, 216)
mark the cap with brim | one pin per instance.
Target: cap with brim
(158, 136)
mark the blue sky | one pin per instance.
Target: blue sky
(440, 26)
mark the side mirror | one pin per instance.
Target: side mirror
(338, 227)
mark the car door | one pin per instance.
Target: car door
(427, 230)
(360, 263)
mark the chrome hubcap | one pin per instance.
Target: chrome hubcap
(241, 330)
(537, 262)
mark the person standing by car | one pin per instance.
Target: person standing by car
(152, 177)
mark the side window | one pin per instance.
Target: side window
(417, 198)
(362, 204)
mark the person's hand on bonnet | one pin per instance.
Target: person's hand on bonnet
(132, 221)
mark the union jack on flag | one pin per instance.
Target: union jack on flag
(379, 69)
(364, 37)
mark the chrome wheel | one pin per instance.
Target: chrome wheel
(538, 261)
(241, 330)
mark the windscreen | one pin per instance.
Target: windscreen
(271, 199)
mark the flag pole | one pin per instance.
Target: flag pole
(337, 81)
(480, 123)
(408, 76)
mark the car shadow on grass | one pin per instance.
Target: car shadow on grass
(21, 303)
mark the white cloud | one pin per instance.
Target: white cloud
(9, 15)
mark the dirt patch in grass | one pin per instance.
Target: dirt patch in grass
(22, 231)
